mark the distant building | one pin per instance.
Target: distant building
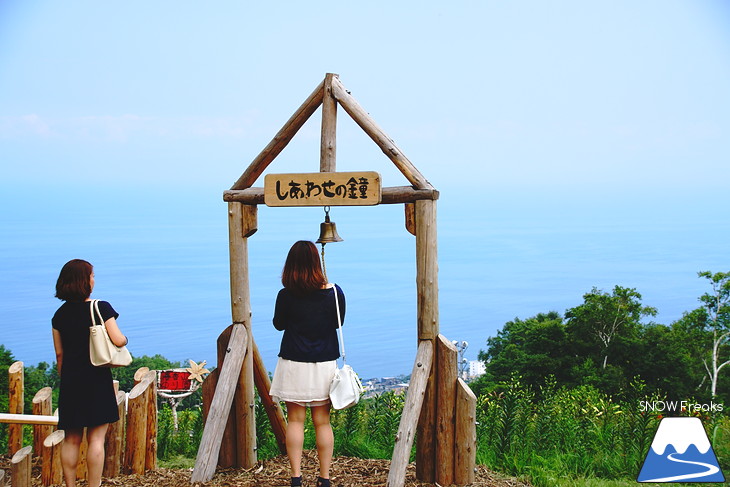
(476, 368)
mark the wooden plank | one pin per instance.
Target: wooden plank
(16, 389)
(427, 270)
(114, 441)
(411, 412)
(28, 419)
(20, 466)
(447, 364)
(42, 406)
(51, 469)
(218, 413)
(389, 195)
(227, 453)
(466, 434)
(360, 188)
(273, 408)
(386, 144)
(328, 143)
(281, 139)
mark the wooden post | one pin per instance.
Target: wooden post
(2, 478)
(227, 455)
(114, 443)
(51, 470)
(218, 413)
(328, 145)
(273, 409)
(42, 405)
(447, 358)
(15, 392)
(136, 441)
(411, 412)
(242, 224)
(20, 466)
(466, 434)
(81, 467)
(150, 462)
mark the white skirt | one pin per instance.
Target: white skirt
(303, 383)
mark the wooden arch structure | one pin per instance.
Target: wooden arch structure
(439, 412)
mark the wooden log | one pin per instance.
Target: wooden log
(227, 455)
(139, 374)
(386, 144)
(411, 412)
(447, 370)
(273, 408)
(3, 483)
(241, 225)
(150, 462)
(114, 442)
(390, 195)
(205, 461)
(20, 466)
(466, 434)
(8, 418)
(15, 395)
(136, 434)
(427, 270)
(328, 144)
(42, 406)
(51, 469)
(410, 216)
(426, 436)
(82, 467)
(281, 139)
(209, 391)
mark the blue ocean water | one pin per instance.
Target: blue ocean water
(161, 259)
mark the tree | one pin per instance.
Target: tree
(716, 319)
(603, 320)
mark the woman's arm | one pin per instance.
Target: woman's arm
(117, 337)
(58, 347)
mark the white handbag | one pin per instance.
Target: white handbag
(102, 351)
(346, 388)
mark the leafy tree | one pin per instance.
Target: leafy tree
(532, 349)
(604, 322)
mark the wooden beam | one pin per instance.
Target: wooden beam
(210, 443)
(427, 270)
(411, 412)
(281, 139)
(28, 419)
(390, 195)
(447, 363)
(328, 144)
(386, 144)
(466, 434)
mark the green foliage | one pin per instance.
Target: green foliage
(185, 441)
(125, 375)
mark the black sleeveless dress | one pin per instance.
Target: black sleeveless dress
(86, 395)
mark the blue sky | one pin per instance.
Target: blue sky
(605, 94)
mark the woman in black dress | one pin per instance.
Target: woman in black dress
(86, 398)
(306, 312)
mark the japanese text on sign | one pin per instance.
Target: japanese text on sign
(323, 189)
(174, 380)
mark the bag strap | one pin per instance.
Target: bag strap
(94, 306)
(339, 323)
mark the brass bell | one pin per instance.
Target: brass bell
(328, 230)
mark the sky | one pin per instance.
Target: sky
(616, 96)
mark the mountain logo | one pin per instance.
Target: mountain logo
(680, 452)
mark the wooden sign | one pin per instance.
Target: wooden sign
(323, 189)
(174, 380)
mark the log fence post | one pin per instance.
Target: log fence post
(114, 442)
(466, 434)
(20, 466)
(51, 469)
(42, 405)
(136, 434)
(447, 357)
(16, 397)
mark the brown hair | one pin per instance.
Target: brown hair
(303, 271)
(74, 281)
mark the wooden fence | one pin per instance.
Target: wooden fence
(131, 442)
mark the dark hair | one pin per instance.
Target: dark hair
(74, 281)
(303, 271)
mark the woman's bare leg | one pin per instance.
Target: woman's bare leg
(325, 438)
(95, 436)
(296, 415)
(70, 454)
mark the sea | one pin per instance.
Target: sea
(161, 259)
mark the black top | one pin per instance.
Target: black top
(310, 324)
(86, 396)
